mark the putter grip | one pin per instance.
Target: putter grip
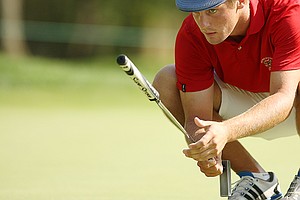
(133, 72)
(121, 60)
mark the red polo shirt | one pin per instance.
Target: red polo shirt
(272, 43)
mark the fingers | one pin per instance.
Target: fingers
(210, 143)
(203, 142)
(209, 169)
(201, 123)
(200, 152)
(204, 132)
(200, 155)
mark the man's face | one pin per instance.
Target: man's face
(218, 23)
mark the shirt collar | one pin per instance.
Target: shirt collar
(257, 18)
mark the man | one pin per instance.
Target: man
(237, 75)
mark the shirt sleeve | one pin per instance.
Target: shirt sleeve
(286, 39)
(193, 66)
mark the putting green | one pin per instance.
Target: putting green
(104, 153)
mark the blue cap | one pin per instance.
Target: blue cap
(197, 5)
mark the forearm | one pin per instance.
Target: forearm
(261, 117)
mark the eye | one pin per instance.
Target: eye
(212, 11)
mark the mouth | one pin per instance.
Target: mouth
(210, 33)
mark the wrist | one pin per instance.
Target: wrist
(229, 131)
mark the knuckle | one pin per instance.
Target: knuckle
(201, 143)
(209, 175)
(201, 164)
(214, 144)
(215, 152)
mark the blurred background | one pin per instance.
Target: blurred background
(76, 29)
(74, 126)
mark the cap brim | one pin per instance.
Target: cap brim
(197, 5)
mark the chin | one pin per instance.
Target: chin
(215, 41)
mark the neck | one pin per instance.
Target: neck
(243, 22)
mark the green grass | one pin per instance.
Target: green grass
(82, 83)
(72, 130)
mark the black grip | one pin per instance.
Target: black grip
(121, 60)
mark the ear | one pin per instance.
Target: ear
(241, 4)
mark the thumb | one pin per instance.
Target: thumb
(201, 123)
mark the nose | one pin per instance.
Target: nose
(201, 19)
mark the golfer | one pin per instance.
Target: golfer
(236, 74)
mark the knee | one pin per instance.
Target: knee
(165, 76)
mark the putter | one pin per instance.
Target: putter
(152, 94)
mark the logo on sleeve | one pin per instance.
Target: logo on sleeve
(183, 87)
(267, 61)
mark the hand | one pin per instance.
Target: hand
(213, 139)
(211, 168)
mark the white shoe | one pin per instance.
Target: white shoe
(253, 186)
(294, 190)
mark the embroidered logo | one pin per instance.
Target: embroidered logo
(267, 61)
(183, 87)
